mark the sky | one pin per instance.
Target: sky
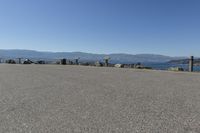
(167, 27)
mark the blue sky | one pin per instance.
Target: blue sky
(168, 27)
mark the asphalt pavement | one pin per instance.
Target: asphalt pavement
(78, 99)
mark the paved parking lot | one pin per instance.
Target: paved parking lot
(77, 99)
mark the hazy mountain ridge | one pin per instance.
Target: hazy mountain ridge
(115, 58)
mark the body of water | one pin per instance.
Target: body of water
(166, 66)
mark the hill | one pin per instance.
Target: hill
(115, 58)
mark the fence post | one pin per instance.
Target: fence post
(106, 59)
(77, 61)
(63, 61)
(191, 64)
(20, 60)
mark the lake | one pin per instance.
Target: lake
(165, 66)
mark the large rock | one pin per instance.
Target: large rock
(176, 69)
(98, 64)
(119, 65)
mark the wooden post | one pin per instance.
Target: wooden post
(191, 64)
(106, 62)
(106, 59)
(20, 60)
(63, 61)
(77, 61)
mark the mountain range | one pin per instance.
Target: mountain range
(114, 58)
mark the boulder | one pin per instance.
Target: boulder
(176, 69)
(119, 65)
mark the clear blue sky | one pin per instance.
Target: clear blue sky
(169, 27)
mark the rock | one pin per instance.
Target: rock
(98, 64)
(119, 65)
(10, 61)
(176, 69)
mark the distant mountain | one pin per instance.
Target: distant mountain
(115, 58)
